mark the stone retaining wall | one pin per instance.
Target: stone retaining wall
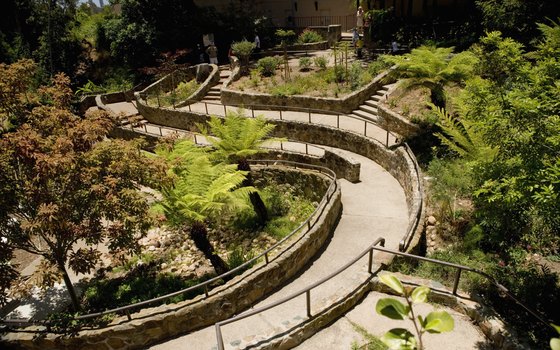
(396, 123)
(151, 325)
(340, 105)
(344, 167)
(397, 162)
(207, 73)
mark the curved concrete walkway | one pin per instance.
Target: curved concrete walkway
(375, 207)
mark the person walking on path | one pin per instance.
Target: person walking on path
(360, 19)
(355, 37)
(212, 52)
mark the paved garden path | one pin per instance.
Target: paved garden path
(375, 207)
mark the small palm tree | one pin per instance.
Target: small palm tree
(433, 68)
(235, 138)
(200, 191)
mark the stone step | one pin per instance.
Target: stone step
(368, 109)
(372, 103)
(213, 93)
(364, 115)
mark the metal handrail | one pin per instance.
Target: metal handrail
(266, 254)
(144, 130)
(501, 288)
(306, 290)
(280, 109)
(413, 225)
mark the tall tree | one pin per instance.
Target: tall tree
(200, 191)
(65, 189)
(235, 138)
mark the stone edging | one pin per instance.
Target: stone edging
(211, 79)
(342, 105)
(343, 166)
(151, 325)
(397, 162)
(397, 123)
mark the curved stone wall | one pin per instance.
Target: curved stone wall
(151, 325)
(340, 105)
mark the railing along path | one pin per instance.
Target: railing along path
(267, 254)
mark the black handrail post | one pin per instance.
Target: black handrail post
(195, 141)
(266, 258)
(456, 284)
(365, 128)
(206, 290)
(252, 111)
(128, 315)
(280, 114)
(308, 302)
(190, 108)
(206, 106)
(338, 121)
(370, 260)
(309, 115)
(219, 336)
(225, 111)
(306, 149)
(160, 131)
(387, 139)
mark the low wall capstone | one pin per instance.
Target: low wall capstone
(339, 105)
(151, 325)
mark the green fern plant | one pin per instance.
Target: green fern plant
(199, 190)
(463, 137)
(433, 68)
(235, 138)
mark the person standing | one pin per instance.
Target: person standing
(212, 52)
(257, 43)
(355, 37)
(360, 19)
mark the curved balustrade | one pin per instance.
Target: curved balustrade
(267, 254)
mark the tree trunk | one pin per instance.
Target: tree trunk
(258, 205)
(437, 95)
(199, 235)
(69, 286)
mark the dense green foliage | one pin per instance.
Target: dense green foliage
(309, 36)
(432, 67)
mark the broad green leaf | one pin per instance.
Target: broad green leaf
(391, 308)
(393, 282)
(556, 327)
(439, 321)
(420, 294)
(399, 338)
(422, 321)
(555, 343)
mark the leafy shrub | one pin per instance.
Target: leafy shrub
(376, 67)
(238, 256)
(255, 77)
(243, 48)
(305, 63)
(339, 74)
(320, 62)
(309, 36)
(267, 65)
(355, 75)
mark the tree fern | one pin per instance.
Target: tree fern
(237, 137)
(463, 137)
(433, 68)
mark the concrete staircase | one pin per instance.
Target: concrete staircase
(368, 110)
(213, 95)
